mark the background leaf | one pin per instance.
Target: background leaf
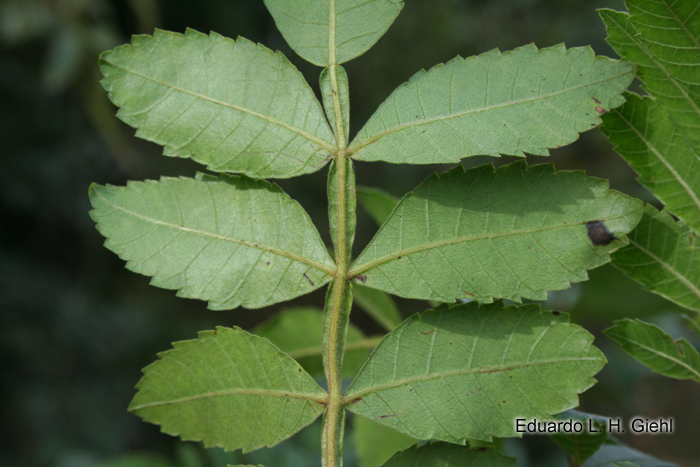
(298, 332)
(375, 443)
(510, 233)
(378, 305)
(469, 371)
(377, 203)
(234, 106)
(657, 350)
(448, 455)
(224, 239)
(654, 146)
(356, 25)
(582, 446)
(522, 101)
(136, 460)
(612, 455)
(228, 389)
(663, 255)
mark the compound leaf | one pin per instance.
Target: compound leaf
(228, 389)
(663, 256)
(510, 233)
(298, 332)
(226, 240)
(581, 446)
(611, 455)
(522, 101)
(325, 31)
(663, 39)
(469, 371)
(656, 148)
(657, 350)
(233, 105)
(376, 443)
(448, 455)
(377, 203)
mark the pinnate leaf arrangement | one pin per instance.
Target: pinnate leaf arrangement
(458, 375)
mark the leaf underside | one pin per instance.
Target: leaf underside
(511, 103)
(657, 350)
(378, 305)
(233, 105)
(448, 455)
(228, 389)
(226, 240)
(510, 233)
(469, 371)
(298, 332)
(611, 455)
(581, 446)
(664, 256)
(356, 24)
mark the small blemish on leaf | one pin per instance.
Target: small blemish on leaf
(556, 313)
(359, 399)
(600, 110)
(267, 264)
(599, 233)
(361, 278)
(427, 333)
(307, 278)
(596, 100)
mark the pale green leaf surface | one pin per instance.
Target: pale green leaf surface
(469, 371)
(623, 456)
(377, 203)
(656, 149)
(664, 256)
(518, 102)
(666, 48)
(448, 455)
(346, 27)
(328, 101)
(334, 197)
(378, 305)
(657, 350)
(226, 240)
(233, 105)
(510, 233)
(228, 389)
(298, 333)
(375, 443)
(581, 446)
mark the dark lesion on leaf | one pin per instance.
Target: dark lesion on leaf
(361, 278)
(599, 233)
(310, 282)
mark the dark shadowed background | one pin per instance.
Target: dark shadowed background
(76, 327)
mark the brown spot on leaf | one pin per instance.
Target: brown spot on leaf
(600, 110)
(310, 282)
(427, 333)
(470, 294)
(361, 278)
(556, 313)
(599, 233)
(596, 101)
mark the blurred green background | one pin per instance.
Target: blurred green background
(76, 327)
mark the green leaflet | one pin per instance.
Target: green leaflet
(657, 350)
(232, 105)
(226, 240)
(662, 38)
(228, 389)
(581, 446)
(377, 203)
(469, 371)
(518, 102)
(343, 28)
(655, 147)
(378, 305)
(376, 443)
(448, 455)
(298, 333)
(664, 256)
(510, 233)
(612, 455)
(328, 103)
(334, 195)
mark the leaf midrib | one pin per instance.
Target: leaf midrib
(326, 269)
(353, 148)
(417, 379)
(427, 246)
(325, 145)
(233, 392)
